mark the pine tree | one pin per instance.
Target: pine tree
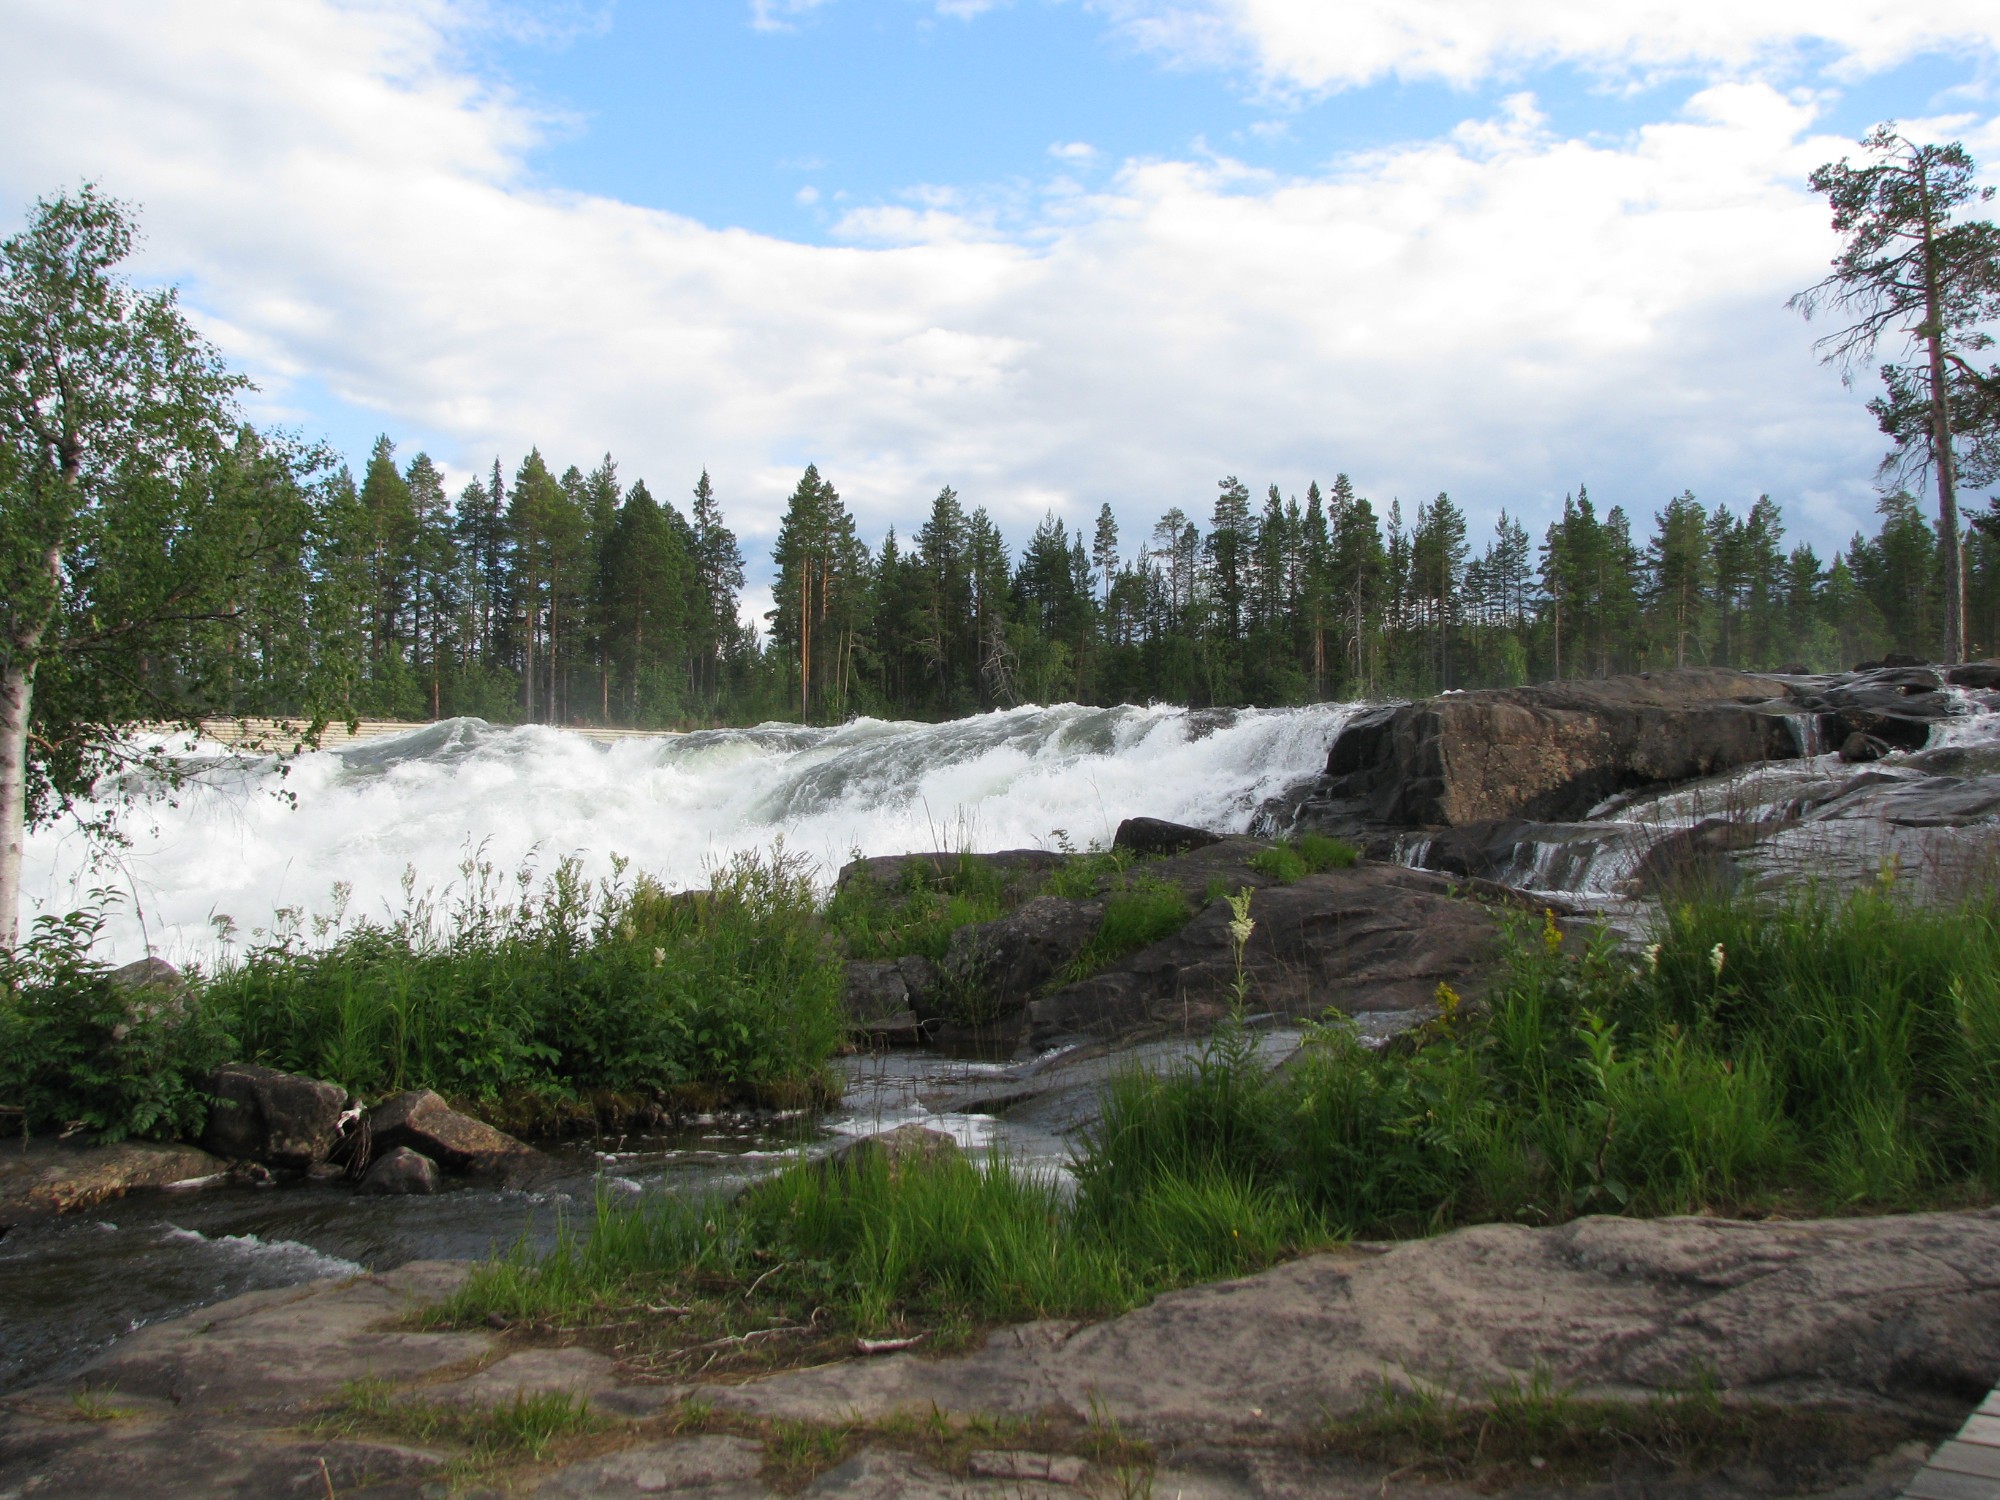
(718, 563)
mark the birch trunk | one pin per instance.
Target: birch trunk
(17, 698)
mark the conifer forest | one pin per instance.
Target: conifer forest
(577, 597)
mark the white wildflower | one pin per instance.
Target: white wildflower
(1715, 960)
(1652, 956)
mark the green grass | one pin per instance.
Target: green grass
(1137, 914)
(521, 1008)
(531, 1426)
(1306, 855)
(1840, 1057)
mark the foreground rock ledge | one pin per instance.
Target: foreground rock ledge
(1891, 1317)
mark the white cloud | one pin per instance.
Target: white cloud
(1499, 312)
(778, 15)
(1073, 151)
(807, 195)
(1316, 45)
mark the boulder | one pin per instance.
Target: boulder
(992, 969)
(148, 974)
(876, 999)
(279, 1119)
(1858, 749)
(422, 1121)
(1152, 837)
(899, 1147)
(1978, 675)
(1551, 752)
(399, 1172)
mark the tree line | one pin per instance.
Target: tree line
(575, 598)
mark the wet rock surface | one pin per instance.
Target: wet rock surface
(422, 1121)
(44, 1176)
(1550, 752)
(400, 1172)
(1631, 787)
(1896, 1320)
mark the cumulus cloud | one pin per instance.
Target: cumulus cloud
(1499, 312)
(1312, 45)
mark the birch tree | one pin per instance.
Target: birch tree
(141, 535)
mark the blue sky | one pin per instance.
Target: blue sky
(1055, 253)
(696, 109)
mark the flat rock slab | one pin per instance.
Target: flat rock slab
(533, 1372)
(50, 1176)
(281, 1352)
(1898, 1316)
(175, 1459)
(698, 1468)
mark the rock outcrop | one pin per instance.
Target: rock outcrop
(992, 968)
(1548, 753)
(1896, 1316)
(45, 1176)
(1376, 938)
(1893, 1322)
(1153, 837)
(279, 1119)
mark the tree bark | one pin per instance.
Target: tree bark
(17, 697)
(1947, 469)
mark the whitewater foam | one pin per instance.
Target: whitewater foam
(288, 1255)
(246, 838)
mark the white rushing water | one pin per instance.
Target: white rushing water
(242, 841)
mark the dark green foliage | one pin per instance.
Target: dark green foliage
(76, 1049)
(1281, 862)
(623, 989)
(919, 917)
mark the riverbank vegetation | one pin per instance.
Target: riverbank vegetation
(1810, 1054)
(558, 1001)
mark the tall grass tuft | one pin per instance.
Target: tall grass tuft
(1815, 1052)
(565, 989)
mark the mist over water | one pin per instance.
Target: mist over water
(246, 838)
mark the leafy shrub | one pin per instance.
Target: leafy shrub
(77, 1049)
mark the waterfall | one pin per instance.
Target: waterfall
(245, 838)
